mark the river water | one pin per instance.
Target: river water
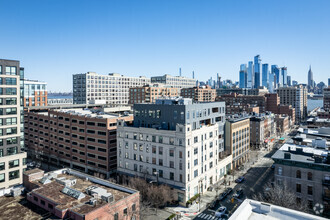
(313, 103)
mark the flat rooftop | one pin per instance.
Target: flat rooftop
(255, 210)
(52, 190)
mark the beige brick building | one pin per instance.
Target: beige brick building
(199, 94)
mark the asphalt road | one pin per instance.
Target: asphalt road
(255, 180)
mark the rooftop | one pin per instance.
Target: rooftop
(255, 210)
(75, 190)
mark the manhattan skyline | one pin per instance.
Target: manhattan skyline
(151, 38)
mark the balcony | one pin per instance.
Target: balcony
(326, 182)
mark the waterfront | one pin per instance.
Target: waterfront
(314, 103)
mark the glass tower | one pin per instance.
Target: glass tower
(265, 75)
(257, 62)
(243, 76)
(250, 76)
(284, 73)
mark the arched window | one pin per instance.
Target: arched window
(298, 174)
(309, 176)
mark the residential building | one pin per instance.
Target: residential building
(310, 79)
(274, 106)
(35, 93)
(149, 93)
(80, 139)
(243, 76)
(282, 123)
(68, 194)
(175, 142)
(199, 94)
(326, 99)
(265, 75)
(237, 139)
(296, 97)
(12, 155)
(255, 210)
(257, 62)
(306, 171)
(236, 104)
(93, 88)
(174, 81)
(242, 91)
(262, 129)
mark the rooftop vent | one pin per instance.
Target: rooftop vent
(73, 193)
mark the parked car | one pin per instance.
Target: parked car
(238, 194)
(213, 204)
(229, 190)
(222, 196)
(240, 179)
(220, 211)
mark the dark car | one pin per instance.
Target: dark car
(229, 190)
(240, 179)
(213, 204)
(223, 196)
(238, 194)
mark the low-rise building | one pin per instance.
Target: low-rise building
(175, 142)
(306, 171)
(282, 123)
(237, 139)
(199, 94)
(80, 139)
(70, 194)
(174, 81)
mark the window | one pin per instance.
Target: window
(2, 166)
(171, 164)
(310, 190)
(2, 177)
(50, 206)
(298, 188)
(160, 162)
(125, 211)
(196, 150)
(195, 173)
(160, 139)
(42, 202)
(11, 70)
(133, 207)
(116, 216)
(279, 171)
(13, 174)
(195, 162)
(171, 176)
(180, 154)
(171, 153)
(298, 174)
(153, 149)
(13, 163)
(309, 176)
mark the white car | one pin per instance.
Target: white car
(220, 211)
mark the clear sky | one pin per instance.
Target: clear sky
(55, 39)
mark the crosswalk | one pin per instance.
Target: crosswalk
(208, 216)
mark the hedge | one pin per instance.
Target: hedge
(193, 199)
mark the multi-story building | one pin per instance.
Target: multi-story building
(289, 80)
(243, 76)
(257, 62)
(276, 71)
(199, 94)
(282, 123)
(242, 91)
(296, 97)
(110, 89)
(262, 129)
(149, 93)
(236, 104)
(250, 75)
(174, 81)
(310, 79)
(265, 75)
(80, 139)
(274, 106)
(35, 93)
(12, 156)
(175, 142)
(326, 99)
(68, 194)
(306, 171)
(237, 139)
(284, 74)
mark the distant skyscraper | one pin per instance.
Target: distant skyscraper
(284, 73)
(243, 76)
(265, 75)
(257, 61)
(271, 84)
(275, 70)
(250, 76)
(310, 78)
(328, 81)
(289, 80)
(294, 82)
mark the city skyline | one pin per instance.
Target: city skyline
(149, 39)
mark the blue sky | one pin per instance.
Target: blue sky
(55, 39)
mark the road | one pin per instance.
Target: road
(255, 180)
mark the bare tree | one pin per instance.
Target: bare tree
(281, 195)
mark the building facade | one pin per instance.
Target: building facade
(174, 81)
(243, 76)
(326, 99)
(237, 139)
(149, 93)
(257, 63)
(177, 143)
(12, 155)
(35, 93)
(80, 139)
(282, 123)
(265, 75)
(199, 94)
(262, 130)
(113, 89)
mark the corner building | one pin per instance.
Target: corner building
(174, 142)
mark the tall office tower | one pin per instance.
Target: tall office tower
(250, 76)
(257, 62)
(310, 79)
(284, 74)
(12, 157)
(272, 80)
(89, 88)
(174, 81)
(328, 81)
(35, 93)
(218, 81)
(265, 75)
(243, 76)
(182, 145)
(295, 96)
(289, 80)
(275, 70)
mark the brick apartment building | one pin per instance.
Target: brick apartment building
(35, 93)
(68, 194)
(149, 93)
(282, 123)
(273, 105)
(199, 94)
(81, 139)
